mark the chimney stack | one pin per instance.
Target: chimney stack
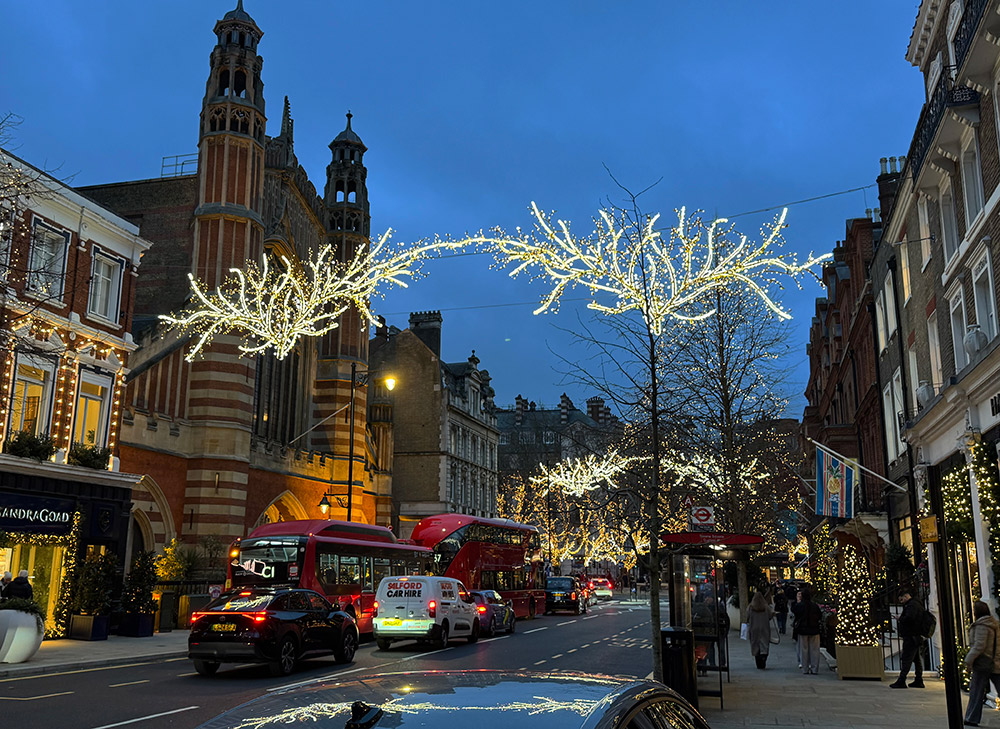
(888, 182)
(565, 405)
(427, 326)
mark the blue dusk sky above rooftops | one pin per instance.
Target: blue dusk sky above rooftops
(471, 111)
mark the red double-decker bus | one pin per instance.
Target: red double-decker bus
(343, 560)
(488, 554)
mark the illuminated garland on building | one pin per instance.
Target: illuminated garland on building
(956, 495)
(854, 621)
(987, 475)
(58, 622)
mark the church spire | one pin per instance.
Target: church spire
(287, 124)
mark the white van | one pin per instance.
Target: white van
(423, 608)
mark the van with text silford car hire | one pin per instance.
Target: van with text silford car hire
(424, 608)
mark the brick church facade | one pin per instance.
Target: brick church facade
(230, 441)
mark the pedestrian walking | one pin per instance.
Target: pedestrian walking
(19, 587)
(983, 660)
(795, 626)
(759, 628)
(4, 581)
(780, 608)
(808, 618)
(909, 625)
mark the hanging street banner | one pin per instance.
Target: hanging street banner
(835, 483)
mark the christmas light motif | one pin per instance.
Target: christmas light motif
(823, 564)
(275, 306)
(857, 594)
(632, 264)
(577, 475)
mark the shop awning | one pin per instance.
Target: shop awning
(720, 540)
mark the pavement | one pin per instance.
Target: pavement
(781, 695)
(67, 655)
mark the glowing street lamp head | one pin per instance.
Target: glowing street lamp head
(324, 504)
(390, 383)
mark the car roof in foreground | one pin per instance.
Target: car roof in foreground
(487, 699)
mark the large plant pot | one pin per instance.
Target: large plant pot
(19, 636)
(860, 661)
(136, 625)
(89, 627)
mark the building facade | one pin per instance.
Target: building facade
(444, 425)
(69, 271)
(230, 441)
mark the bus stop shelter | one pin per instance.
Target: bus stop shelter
(696, 646)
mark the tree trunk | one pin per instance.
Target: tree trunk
(742, 592)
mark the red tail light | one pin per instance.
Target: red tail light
(572, 596)
(481, 608)
(591, 585)
(245, 594)
(258, 617)
(375, 609)
(611, 585)
(195, 617)
(432, 609)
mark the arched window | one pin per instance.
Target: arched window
(224, 82)
(217, 120)
(240, 83)
(340, 190)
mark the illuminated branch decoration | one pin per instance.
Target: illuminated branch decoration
(274, 308)
(633, 264)
(577, 475)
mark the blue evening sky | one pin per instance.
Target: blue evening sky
(472, 110)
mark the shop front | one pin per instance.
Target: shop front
(51, 517)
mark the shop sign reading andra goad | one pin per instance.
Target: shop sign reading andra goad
(31, 514)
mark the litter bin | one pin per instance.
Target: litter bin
(166, 613)
(679, 668)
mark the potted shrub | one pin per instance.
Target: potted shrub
(859, 643)
(88, 456)
(22, 626)
(25, 444)
(92, 598)
(137, 597)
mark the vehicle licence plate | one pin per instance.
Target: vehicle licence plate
(559, 595)
(390, 622)
(224, 627)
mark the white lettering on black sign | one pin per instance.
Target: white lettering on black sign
(43, 516)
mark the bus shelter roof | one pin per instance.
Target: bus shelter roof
(712, 543)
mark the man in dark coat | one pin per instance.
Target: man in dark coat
(781, 608)
(19, 587)
(4, 582)
(908, 625)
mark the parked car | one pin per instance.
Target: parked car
(565, 593)
(423, 608)
(276, 626)
(601, 587)
(483, 699)
(495, 613)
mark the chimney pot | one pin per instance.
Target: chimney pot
(882, 165)
(877, 213)
(868, 213)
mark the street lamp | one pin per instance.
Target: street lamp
(357, 378)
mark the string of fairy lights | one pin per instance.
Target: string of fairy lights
(854, 608)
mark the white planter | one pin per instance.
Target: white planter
(19, 636)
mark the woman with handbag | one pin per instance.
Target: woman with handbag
(983, 660)
(759, 622)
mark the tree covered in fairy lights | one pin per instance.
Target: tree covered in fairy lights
(856, 595)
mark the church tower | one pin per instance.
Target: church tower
(348, 226)
(228, 232)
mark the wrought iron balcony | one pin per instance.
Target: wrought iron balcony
(946, 95)
(967, 28)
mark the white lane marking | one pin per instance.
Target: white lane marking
(572, 650)
(185, 675)
(34, 698)
(144, 718)
(535, 630)
(585, 645)
(331, 674)
(591, 617)
(557, 655)
(568, 622)
(538, 663)
(127, 683)
(490, 640)
(172, 660)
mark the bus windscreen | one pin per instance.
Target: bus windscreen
(268, 560)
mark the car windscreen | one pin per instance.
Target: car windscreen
(237, 603)
(560, 583)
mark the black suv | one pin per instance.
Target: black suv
(565, 593)
(277, 626)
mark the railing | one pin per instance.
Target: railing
(974, 11)
(945, 95)
(178, 165)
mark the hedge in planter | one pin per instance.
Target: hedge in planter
(92, 599)
(22, 627)
(88, 456)
(137, 597)
(25, 444)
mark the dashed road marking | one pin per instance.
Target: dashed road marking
(144, 718)
(572, 650)
(535, 630)
(568, 622)
(557, 655)
(34, 698)
(127, 683)
(538, 663)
